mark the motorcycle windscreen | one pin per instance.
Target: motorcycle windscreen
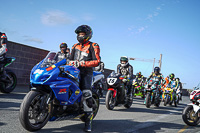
(51, 59)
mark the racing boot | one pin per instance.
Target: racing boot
(88, 121)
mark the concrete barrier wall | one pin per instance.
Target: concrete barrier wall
(26, 58)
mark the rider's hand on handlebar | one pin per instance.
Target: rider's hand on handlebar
(74, 63)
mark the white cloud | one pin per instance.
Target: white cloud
(88, 17)
(158, 8)
(141, 29)
(155, 13)
(52, 18)
(150, 17)
(137, 30)
(131, 28)
(36, 40)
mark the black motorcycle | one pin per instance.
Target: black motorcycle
(9, 82)
(117, 92)
(152, 94)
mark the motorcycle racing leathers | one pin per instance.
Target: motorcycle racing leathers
(88, 56)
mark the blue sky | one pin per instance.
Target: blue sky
(134, 28)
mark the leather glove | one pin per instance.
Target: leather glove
(82, 63)
(74, 63)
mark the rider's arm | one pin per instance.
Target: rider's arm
(149, 77)
(3, 42)
(130, 72)
(73, 52)
(118, 69)
(162, 79)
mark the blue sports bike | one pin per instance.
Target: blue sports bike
(55, 94)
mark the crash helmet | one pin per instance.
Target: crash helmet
(124, 61)
(88, 33)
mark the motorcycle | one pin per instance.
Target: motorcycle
(55, 95)
(8, 84)
(138, 89)
(191, 113)
(152, 94)
(117, 92)
(98, 83)
(171, 96)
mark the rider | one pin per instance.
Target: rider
(63, 53)
(85, 55)
(3, 50)
(166, 81)
(125, 69)
(157, 76)
(179, 85)
(140, 80)
(171, 80)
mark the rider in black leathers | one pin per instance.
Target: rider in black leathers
(125, 69)
(3, 50)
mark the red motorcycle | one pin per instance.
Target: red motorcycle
(117, 92)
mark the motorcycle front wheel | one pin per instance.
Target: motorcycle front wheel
(34, 113)
(189, 116)
(166, 100)
(148, 100)
(11, 84)
(110, 100)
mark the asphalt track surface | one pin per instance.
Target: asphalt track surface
(137, 119)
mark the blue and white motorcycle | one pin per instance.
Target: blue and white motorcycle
(98, 83)
(55, 94)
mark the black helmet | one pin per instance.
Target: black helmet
(156, 70)
(124, 58)
(177, 79)
(63, 47)
(88, 33)
(171, 76)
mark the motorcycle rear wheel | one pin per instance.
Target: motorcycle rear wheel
(95, 98)
(129, 102)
